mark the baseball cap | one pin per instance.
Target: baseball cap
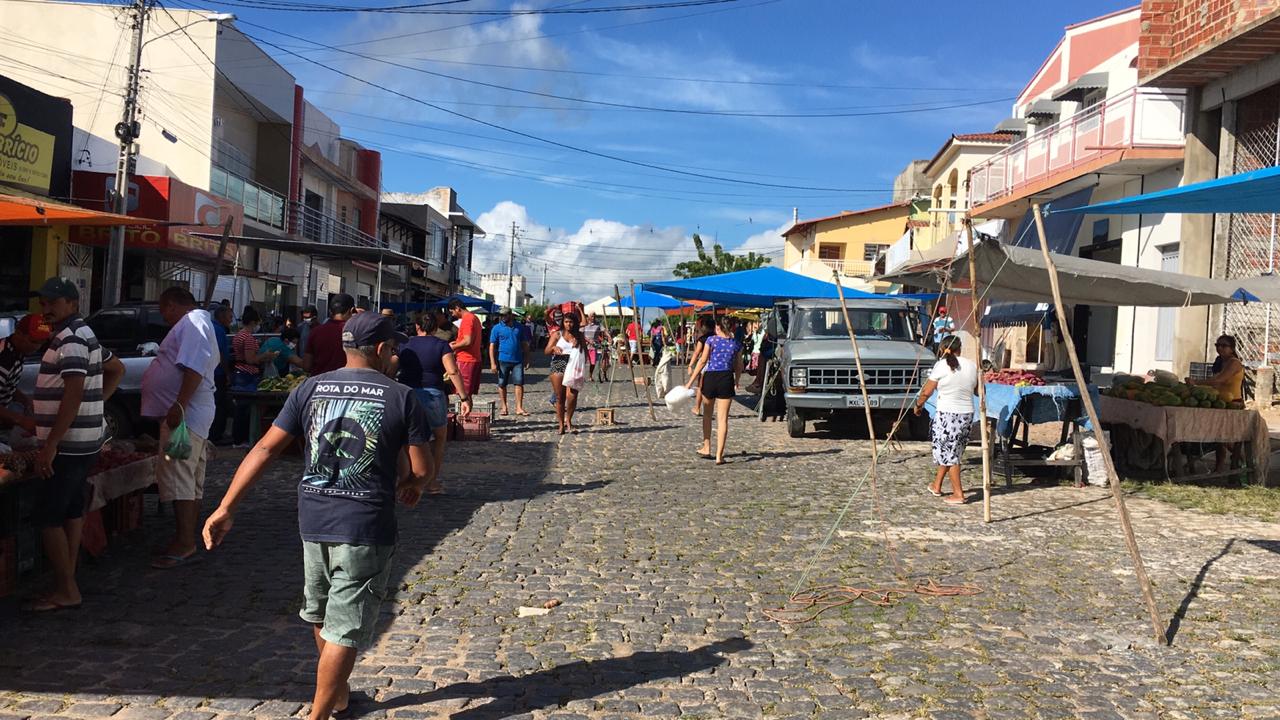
(34, 327)
(369, 328)
(59, 287)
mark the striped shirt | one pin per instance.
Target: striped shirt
(10, 373)
(73, 350)
(244, 347)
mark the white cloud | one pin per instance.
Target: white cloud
(768, 242)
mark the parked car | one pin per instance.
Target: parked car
(820, 372)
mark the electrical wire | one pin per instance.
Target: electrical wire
(425, 8)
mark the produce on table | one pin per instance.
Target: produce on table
(281, 384)
(1017, 378)
(19, 463)
(111, 458)
(1163, 393)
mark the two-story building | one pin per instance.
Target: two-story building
(846, 245)
(1224, 56)
(1093, 134)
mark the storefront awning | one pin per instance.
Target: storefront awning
(1251, 192)
(319, 250)
(20, 210)
(1006, 272)
(1075, 91)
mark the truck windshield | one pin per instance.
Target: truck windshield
(870, 324)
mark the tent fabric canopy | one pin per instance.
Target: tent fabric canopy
(647, 299)
(605, 306)
(1006, 272)
(1251, 192)
(19, 210)
(467, 300)
(762, 287)
(319, 250)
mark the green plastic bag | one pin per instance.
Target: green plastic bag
(179, 445)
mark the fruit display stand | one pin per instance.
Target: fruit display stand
(1170, 425)
(262, 403)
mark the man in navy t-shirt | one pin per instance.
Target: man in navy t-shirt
(354, 423)
(508, 357)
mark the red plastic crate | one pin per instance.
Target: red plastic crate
(474, 426)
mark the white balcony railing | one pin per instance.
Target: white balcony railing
(316, 226)
(1137, 117)
(260, 203)
(851, 268)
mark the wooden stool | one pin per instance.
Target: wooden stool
(604, 416)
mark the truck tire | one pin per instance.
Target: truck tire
(795, 423)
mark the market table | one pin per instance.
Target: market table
(1012, 409)
(1172, 425)
(260, 401)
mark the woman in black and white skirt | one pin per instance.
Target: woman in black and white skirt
(956, 380)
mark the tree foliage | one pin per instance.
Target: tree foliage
(717, 261)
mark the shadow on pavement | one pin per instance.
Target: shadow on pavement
(757, 456)
(515, 695)
(226, 627)
(1175, 623)
(628, 429)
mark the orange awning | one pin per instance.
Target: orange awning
(30, 211)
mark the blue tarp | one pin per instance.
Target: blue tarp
(761, 288)
(1049, 404)
(1251, 192)
(647, 299)
(1060, 230)
(470, 302)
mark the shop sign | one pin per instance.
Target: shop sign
(186, 209)
(35, 139)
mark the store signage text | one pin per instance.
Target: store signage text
(26, 154)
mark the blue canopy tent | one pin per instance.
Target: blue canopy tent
(761, 288)
(1251, 192)
(467, 300)
(647, 299)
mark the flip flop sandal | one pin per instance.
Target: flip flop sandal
(45, 605)
(168, 562)
(953, 501)
(935, 493)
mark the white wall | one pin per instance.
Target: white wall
(321, 131)
(88, 46)
(257, 75)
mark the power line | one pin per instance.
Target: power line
(833, 113)
(425, 8)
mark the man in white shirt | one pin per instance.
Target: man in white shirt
(178, 386)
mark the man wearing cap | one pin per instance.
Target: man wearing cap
(178, 386)
(508, 357)
(323, 350)
(76, 378)
(17, 341)
(306, 326)
(943, 327)
(354, 422)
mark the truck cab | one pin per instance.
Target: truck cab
(819, 370)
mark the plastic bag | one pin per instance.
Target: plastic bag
(270, 370)
(680, 398)
(179, 445)
(575, 373)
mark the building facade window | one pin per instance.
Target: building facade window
(828, 251)
(871, 251)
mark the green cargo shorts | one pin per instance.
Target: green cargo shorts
(342, 588)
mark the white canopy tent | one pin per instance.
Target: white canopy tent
(601, 307)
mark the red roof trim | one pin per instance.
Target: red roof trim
(805, 224)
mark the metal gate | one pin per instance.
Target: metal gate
(1251, 237)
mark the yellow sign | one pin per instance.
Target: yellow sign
(26, 154)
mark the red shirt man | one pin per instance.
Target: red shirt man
(324, 352)
(466, 348)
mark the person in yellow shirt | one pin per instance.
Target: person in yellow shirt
(1228, 380)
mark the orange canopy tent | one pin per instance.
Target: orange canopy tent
(29, 211)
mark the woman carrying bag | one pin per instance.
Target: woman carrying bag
(955, 379)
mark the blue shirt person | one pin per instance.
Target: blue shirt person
(508, 356)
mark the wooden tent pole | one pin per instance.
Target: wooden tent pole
(618, 294)
(648, 381)
(1104, 446)
(976, 325)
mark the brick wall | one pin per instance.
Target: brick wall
(1173, 30)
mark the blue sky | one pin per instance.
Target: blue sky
(596, 221)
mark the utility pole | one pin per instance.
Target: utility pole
(511, 266)
(127, 130)
(544, 285)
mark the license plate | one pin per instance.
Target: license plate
(857, 401)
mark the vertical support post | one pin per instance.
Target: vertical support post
(217, 263)
(377, 292)
(126, 132)
(1139, 569)
(976, 328)
(648, 381)
(617, 294)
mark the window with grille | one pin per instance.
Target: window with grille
(871, 251)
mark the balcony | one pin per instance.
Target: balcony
(850, 268)
(260, 204)
(1137, 118)
(314, 225)
(470, 282)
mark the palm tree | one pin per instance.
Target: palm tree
(717, 261)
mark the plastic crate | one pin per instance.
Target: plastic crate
(474, 426)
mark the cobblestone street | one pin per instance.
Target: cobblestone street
(664, 564)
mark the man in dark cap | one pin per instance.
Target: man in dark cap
(354, 422)
(309, 323)
(322, 352)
